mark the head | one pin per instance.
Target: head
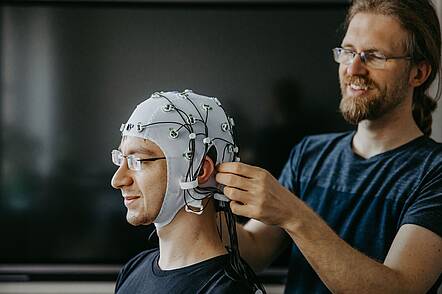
(393, 28)
(170, 135)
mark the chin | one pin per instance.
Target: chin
(137, 220)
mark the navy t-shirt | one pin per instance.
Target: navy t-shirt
(365, 201)
(143, 275)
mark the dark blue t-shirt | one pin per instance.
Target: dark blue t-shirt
(365, 201)
(143, 275)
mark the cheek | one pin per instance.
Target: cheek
(153, 189)
(341, 71)
(342, 74)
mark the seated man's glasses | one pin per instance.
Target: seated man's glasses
(134, 163)
(371, 59)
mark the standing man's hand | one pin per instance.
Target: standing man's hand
(256, 194)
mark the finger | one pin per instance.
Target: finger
(235, 181)
(237, 168)
(240, 209)
(237, 195)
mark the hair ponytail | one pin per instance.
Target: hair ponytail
(423, 106)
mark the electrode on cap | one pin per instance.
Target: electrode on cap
(206, 107)
(155, 95)
(217, 101)
(225, 127)
(168, 107)
(192, 136)
(129, 127)
(190, 120)
(207, 140)
(232, 122)
(140, 127)
(173, 133)
(188, 155)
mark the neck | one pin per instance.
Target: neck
(189, 239)
(388, 132)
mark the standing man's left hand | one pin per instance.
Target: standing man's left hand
(256, 194)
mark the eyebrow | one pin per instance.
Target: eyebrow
(144, 150)
(369, 50)
(140, 150)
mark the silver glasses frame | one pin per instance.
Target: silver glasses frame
(371, 59)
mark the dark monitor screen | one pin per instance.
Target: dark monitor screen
(72, 73)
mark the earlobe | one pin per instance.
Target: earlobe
(206, 170)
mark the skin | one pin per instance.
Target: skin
(188, 238)
(142, 189)
(414, 260)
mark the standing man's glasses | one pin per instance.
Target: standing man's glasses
(371, 59)
(134, 163)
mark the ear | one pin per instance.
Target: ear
(419, 73)
(206, 170)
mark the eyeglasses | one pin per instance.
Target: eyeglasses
(371, 59)
(134, 163)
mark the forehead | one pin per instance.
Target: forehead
(368, 31)
(132, 145)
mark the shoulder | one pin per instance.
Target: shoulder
(425, 156)
(316, 145)
(134, 263)
(140, 258)
(431, 149)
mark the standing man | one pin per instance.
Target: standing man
(363, 208)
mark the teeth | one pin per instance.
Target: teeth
(358, 87)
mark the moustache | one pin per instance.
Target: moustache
(360, 81)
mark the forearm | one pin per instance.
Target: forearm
(249, 248)
(342, 268)
(411, 265)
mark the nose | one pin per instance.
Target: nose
(357, 67)
(121, 176)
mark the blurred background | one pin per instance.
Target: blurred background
(72, 72)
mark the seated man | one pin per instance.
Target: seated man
(167, 156)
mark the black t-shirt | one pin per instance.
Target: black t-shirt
(143, 275)
(365, 201)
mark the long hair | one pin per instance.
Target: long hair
(419, 19)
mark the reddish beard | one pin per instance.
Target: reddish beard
(372, 105)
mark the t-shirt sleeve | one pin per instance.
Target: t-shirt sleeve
(426, 210)
(289, 174)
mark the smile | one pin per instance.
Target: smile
(128, 200)
(358, 87)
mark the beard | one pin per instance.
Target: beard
(372, 105)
